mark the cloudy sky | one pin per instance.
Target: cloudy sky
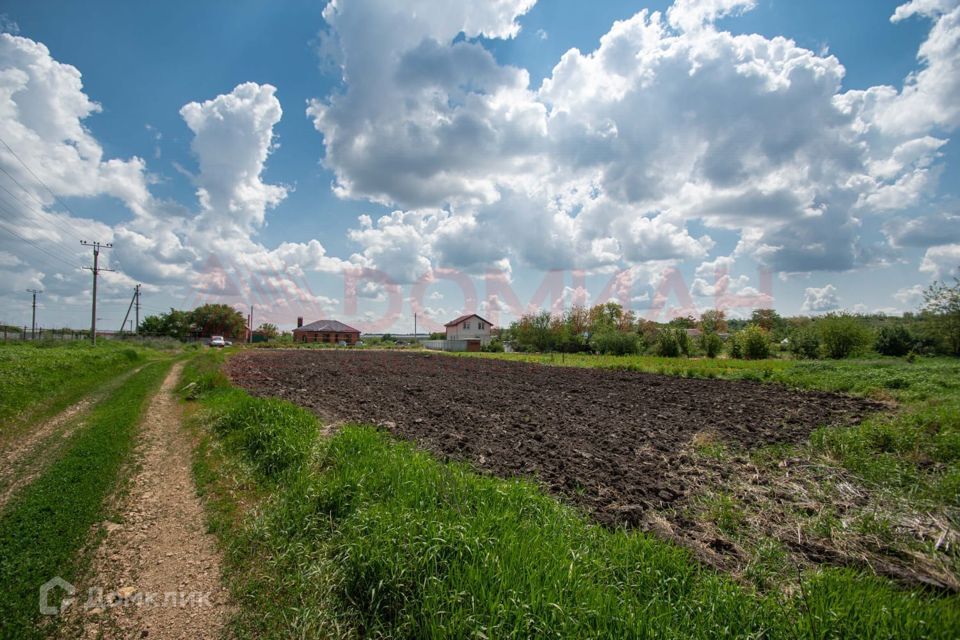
(369, 159)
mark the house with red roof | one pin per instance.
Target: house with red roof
(329, 331)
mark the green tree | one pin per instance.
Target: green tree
(771, 321)
(713, 321)
(805, 343)
(673, 342)
(268, 330)
(616, 343)
(894, 340)
(756, 342)
(711, 344)
(683, 322)
(152, 325)
(220, 320)
(532, 332)
(609, 315)
(174, 324)
(942, 304)
(842, 335)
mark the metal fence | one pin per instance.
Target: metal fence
(448, 345)
(7, 334)
(26, 335)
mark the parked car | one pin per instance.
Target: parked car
(217, 341)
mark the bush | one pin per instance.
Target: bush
(752, 343)
(711, 344)
(736, 346)
(805, 343)
(756, 343)
(494, 346)
(673, 342)
(894, 341)
(842, 336)
(616, 343)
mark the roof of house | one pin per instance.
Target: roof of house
(466, 317)
(330, 326)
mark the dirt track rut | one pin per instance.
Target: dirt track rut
(158, 568)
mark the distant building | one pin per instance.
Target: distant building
(329, 331)
(469, 327)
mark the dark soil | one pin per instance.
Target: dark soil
(613, 442)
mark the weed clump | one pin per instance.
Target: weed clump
(273, 435)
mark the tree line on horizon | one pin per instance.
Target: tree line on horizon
(610, 329)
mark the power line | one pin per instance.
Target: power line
(12, 194)
(28, 209)
(23, 188)
(60, 244)
(30, 194)
(4, 226)
(37, 178)
(11, 221)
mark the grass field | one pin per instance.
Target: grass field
(47, 525)
(40, 379)
(359, 535)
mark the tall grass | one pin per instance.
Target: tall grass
(366, 536)
(44, 526)
(41, 377)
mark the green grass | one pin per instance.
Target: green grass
(42, 378)
(365, 536)
(892, 377)
(49, 521)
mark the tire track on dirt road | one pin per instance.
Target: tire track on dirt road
(157, 572)
(24, 457)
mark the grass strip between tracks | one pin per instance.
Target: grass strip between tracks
(45, 526)
(39, 380)
(361, 535)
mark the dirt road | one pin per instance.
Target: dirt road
(24, 456)
(157, 573)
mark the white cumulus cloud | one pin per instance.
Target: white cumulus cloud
(820, 300)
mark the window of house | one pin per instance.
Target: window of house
(466, 325)
(479, 325)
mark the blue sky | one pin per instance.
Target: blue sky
(425, 145)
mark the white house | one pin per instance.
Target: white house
(469, 327)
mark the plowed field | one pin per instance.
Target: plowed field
(613, 442)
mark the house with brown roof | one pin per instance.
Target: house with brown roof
(469, 327)
(329, 331)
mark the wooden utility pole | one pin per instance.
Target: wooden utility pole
(96, 272)
(33, 323)
(134, 299)
(136, 329)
